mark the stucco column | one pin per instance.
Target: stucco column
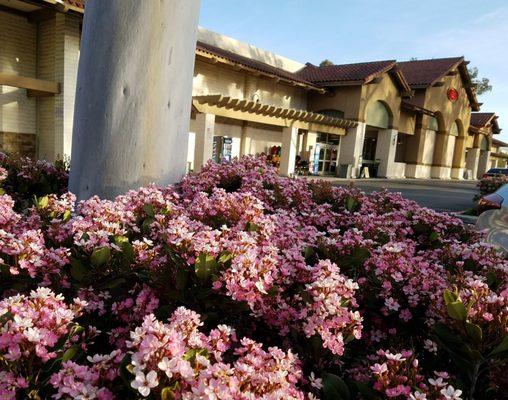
(385, 152)
(245, 141)
(459, 157)
(134, 90)
(288, 150)
(419, 154)
(352, 146)
(203, 149)
(442, 163)
(472, 159)
(483, 163)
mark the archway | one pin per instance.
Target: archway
(457, 141)
(443, 152)
(380, 140)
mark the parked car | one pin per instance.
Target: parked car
(494, 200)
(496, 172)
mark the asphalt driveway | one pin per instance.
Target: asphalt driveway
(448, 196)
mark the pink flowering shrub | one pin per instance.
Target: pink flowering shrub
(237, 283)
(23, 178)
(490, 184)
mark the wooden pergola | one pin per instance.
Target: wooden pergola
(252, 111)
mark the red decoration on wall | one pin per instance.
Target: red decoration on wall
(453, 95)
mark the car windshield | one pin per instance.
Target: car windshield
(501, 171)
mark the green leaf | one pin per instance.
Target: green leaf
(433, 236)
(457, 310)
(6, 317)
(113, 284)
(449, 296)
(182, 277)
(474, 331)
(501, 347)
(66, 215)
(351, 204)
(146, 224)
(78, 270)
(149, 210)
(225, 257)
(100, 256)
(251, 227)
(205, 266)
(70, 353)
(42, 202)
(334, 388)
(128, 251)
(167, 394)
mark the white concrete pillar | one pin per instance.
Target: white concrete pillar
(472, 159)
(288, 150)
(203, 148)
(352, 146)
(308, 148)
(246, 140)
(133, 95)
(385, 152)
(483, 163)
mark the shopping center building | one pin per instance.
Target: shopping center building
(416, 119)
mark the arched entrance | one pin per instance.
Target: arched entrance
(443, 152)
(378, 144)
(458, 139)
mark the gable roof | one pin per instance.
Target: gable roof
(359, 72)
(353, 74)
(424, 73)
(203, 48)
(421, 74)
(485, 119)
(481, 119)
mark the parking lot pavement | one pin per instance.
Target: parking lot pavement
(441, 195)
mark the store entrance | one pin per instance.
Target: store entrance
(327, 154)
(369, 152)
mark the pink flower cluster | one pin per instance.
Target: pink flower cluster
(33, 324)
(177, 358)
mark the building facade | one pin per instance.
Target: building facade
(416, 119)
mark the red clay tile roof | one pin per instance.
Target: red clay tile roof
(251, 63)
(355, 73)
(76, 3)
(481, 119)
(423, 73)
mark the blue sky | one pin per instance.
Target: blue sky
(363, 30)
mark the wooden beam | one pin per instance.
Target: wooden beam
(13, 11)
(35, 85)
(438, 84)
(452, 73)
(43, 14)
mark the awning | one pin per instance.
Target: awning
(249, 110)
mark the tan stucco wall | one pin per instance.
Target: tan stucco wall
(18, 57)
(354, 100)
(407, 122)
(345, 99)
(436, 99)
(210, 79)
(385, 91)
